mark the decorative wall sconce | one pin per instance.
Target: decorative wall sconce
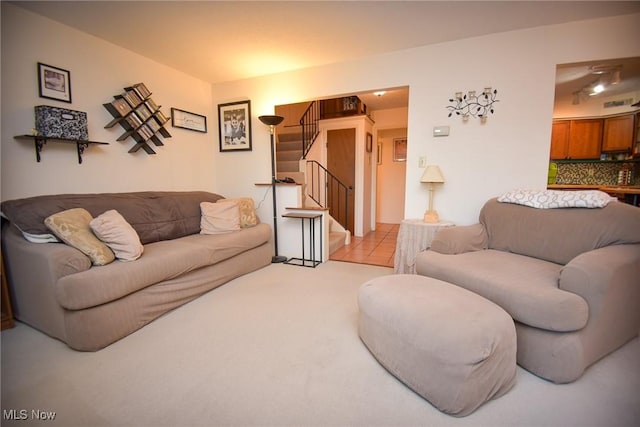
(471, 105)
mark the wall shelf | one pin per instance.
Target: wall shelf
(139, 116)
(39, 142)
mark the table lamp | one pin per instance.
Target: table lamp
(272, 122)
(431, 175)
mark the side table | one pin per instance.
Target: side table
(414, 236)
(312, 261)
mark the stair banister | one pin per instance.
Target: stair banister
(323, 186)
(309, 125)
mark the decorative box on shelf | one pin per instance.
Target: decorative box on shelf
(55, 122)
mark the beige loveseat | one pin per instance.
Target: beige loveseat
(569, 277)
(55, 287)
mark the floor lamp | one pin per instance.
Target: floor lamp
(272, 122)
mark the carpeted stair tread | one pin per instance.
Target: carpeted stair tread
(336, 240)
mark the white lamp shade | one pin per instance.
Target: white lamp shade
(432, 173)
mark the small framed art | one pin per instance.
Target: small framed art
(234, 120)
(399, 149)
(186, 120)
(54, 83)
(369, 145)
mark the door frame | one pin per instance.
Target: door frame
(363, 124)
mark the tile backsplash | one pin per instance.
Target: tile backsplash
(594, 173)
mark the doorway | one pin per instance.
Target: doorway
(391, 177)
(341, 158)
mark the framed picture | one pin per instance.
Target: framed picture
(234, 120)
(399, 149)
(186, 120)
(379, 153)
(369, 142)
(54, 83)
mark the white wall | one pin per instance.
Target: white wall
(479, 161)
(98, 70)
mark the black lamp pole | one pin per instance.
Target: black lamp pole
(272, 122)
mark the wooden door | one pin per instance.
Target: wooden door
(341, 162)
(618, 133)
(585, 139)
(560, 140)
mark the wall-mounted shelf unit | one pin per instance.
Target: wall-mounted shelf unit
(39, 142)
(139, 116)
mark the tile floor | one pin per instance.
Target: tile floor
(377, 247)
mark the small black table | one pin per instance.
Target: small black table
(312, 261)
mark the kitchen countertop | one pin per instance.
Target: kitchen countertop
(627, 193)
(573, 187)
(630, 189)
(621, 190)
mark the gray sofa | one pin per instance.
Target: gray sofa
(569, 277)
(56, 289)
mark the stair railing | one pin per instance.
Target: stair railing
(309, 125)
(328, 191)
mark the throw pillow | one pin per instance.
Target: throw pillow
(555, 199)
(219, 218)
(248, 217)
(118, 234)
(72, 227)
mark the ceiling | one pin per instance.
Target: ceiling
(220, 41)
(579, 78)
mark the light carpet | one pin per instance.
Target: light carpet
(276, 347)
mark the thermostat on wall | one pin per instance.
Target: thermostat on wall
(441, 131)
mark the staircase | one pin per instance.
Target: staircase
(338, 236)
(288, 157)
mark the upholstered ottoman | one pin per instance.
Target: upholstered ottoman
(452, 347)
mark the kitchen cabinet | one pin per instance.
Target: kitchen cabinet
(618, 133)
(576, 139)
(560, 139)
(585, 137)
